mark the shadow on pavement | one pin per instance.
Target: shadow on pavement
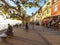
(47, 42)
(28, 40)
(8, 43)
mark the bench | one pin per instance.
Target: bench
(2, 37)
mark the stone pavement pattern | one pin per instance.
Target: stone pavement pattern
(37, 36)
(49, 34)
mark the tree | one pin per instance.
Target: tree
(44, 1)
(20, 4)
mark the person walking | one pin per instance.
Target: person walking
(26, 27)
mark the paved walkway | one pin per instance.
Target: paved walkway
(37, 36)
(50, 35)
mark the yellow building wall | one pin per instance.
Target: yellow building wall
(49, 12)
(45, 9)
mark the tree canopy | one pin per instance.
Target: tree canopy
(19, 6)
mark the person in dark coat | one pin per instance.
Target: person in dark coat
(9, 31)
(26, 27)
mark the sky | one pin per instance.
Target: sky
(29, 11)
(34, 9)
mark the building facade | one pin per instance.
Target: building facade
(51, 8)
(46, 9)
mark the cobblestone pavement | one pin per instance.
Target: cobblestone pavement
(35, 36)
(49, 35)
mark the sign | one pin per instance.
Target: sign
(56, 9)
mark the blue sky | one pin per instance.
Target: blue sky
(34, 9)
(31, 10)
(28, 10)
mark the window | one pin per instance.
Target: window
(47, 8)
(55, 8)
(55, 0)
(47, 11)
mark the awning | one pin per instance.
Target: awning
(56, 13)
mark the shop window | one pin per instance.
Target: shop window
(55, 18)
(55, 8)
(55, 0)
